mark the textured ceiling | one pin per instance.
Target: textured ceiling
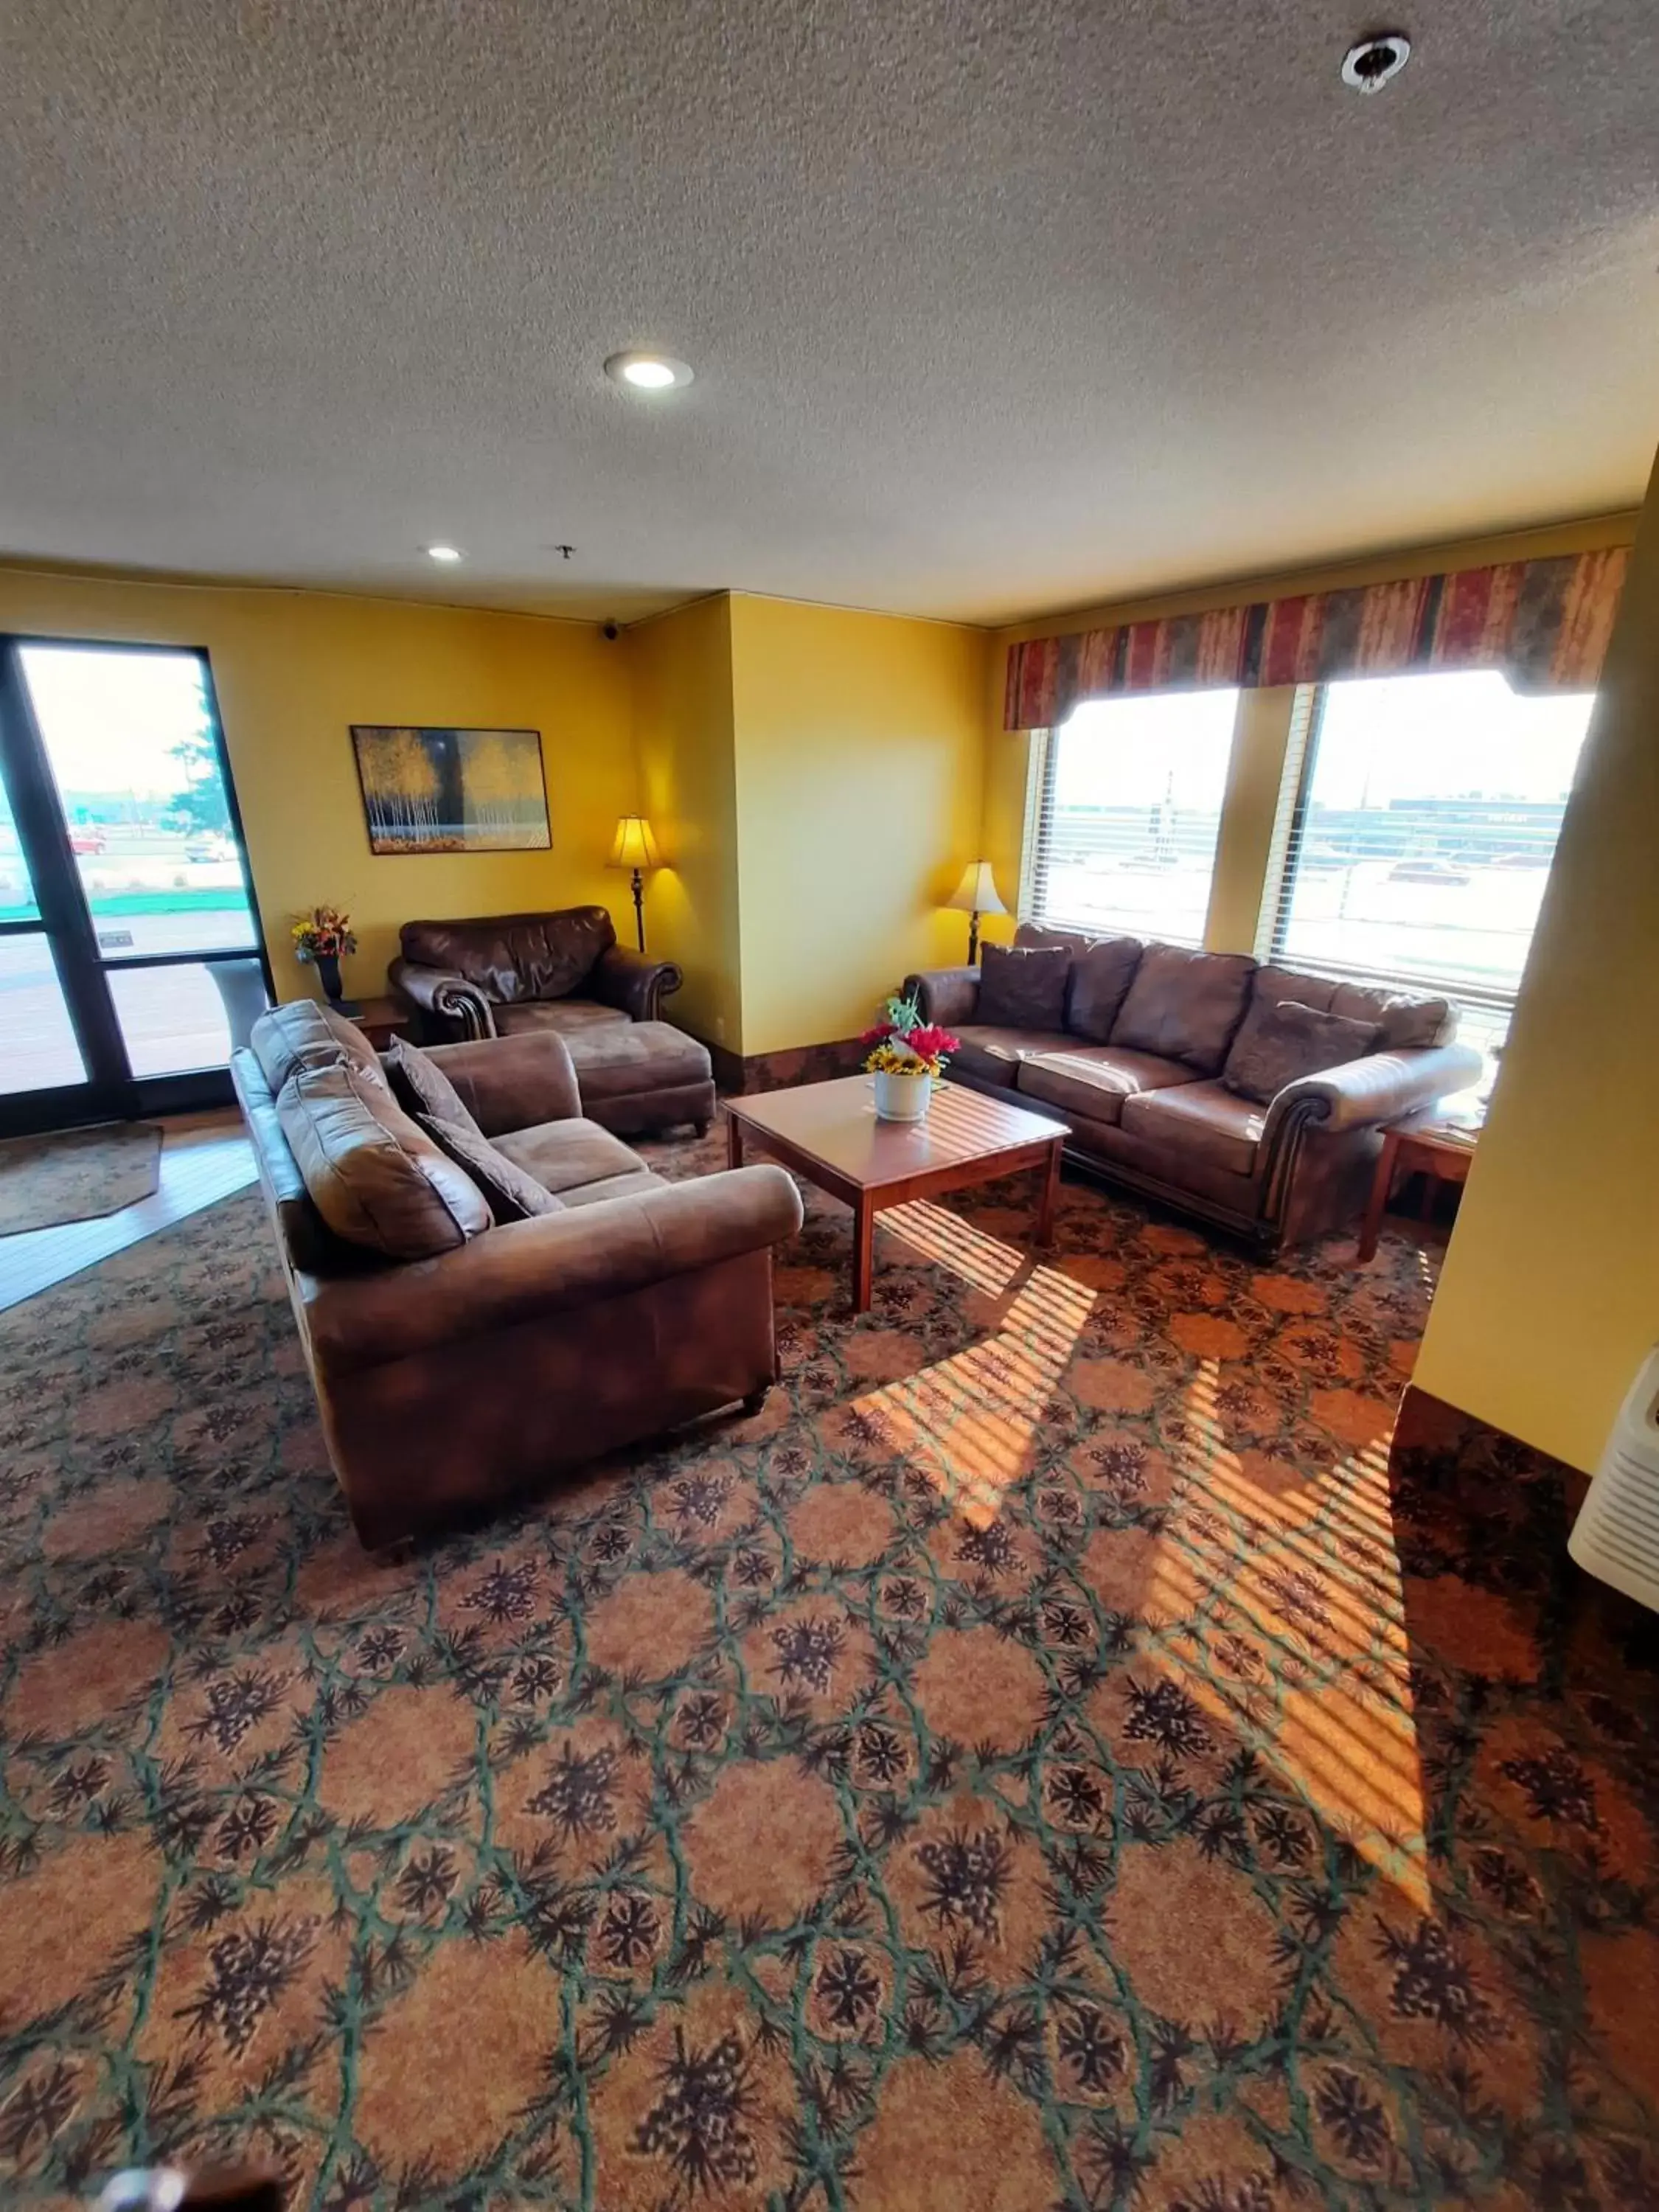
(992, 307)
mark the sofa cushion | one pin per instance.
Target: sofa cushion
(1281, 1044)
(1101, 973)
(511, 1192)
(1094, 1079)
(1023, 987)
(569, 1016)
(992, 1055)
(1199, 1121)
(514, 956)
(616, 1059)
(303, 1034)
(1185, 1006)
(618, 1186)
(420, 1086)
(377, 1180)
(1405, 1020)
(564, 1155)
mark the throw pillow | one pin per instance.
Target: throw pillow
(1100, 975)
(510, 1193)
(1185, 1006)
(420, 1086)
(1281, 1044)
(1021, 989)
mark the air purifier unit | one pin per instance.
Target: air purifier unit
(1616, 1536)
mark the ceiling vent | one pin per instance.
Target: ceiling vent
(1376, 62)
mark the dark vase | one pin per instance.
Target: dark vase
(328, 967)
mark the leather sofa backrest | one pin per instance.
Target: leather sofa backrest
(310, 1244)
(514, 957)
(1103, 969)
(377, 1180)
(1406, 1020)
(303, 1034)
(1185, 1006)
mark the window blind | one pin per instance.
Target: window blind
(1123, 809)
(1415, 834)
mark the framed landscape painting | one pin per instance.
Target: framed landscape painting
(452, 791)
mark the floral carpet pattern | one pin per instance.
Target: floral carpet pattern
(1043, 1760)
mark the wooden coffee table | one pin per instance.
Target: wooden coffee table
(829, 1132)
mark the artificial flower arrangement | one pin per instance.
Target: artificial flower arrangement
(903, 1044)
(323, 934)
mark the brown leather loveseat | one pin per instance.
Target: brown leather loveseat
(489, 1288)
(1254, 1095)
(500, 975)
(514, 974)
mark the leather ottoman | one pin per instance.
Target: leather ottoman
(638, 1079)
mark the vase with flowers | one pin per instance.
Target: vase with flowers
(320, 939)
(907, 1057)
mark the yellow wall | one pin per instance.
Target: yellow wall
(681, 669)
(859, 765)
(293, 670)
(1550, 1295)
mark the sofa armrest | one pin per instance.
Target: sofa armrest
(445, 997)
(1363, 1094)
(548, 1265)
(631, 981)
(513, 1082)
(945, 995)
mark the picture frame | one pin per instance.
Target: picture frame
(434, 787)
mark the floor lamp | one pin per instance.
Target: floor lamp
(635, 849)
(976, 894)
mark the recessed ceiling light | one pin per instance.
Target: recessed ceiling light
(444, 553)
(648, 372)
(1376, 62)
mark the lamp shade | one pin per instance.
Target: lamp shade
(977, 892)
(635, 847)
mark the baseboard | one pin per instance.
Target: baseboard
(737, 1075)
(1428, 1433)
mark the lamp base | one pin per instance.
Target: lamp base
(638, 907)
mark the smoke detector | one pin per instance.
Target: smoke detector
(1375, 61)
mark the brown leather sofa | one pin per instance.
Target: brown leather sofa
(513, 975)
(1141, 1053)
(459, 1358)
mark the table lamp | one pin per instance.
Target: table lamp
(976, 894)
(635, 849)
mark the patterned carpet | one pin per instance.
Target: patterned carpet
(1035, 1763)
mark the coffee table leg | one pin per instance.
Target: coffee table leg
(1048, 1196)
(863, 1233)
(733, 1141)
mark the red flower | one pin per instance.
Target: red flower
(879, 1034)
(933, 1043)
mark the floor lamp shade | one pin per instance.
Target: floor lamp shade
(635, 849)
(976, 894)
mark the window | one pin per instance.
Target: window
(1125, 806)
(1417, 826)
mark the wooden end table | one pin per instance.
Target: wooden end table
(1423, 1143)
(829, 1132)
(381, 1020)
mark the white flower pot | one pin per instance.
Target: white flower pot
(902, 1097)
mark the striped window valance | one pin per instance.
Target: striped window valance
(1545, 624)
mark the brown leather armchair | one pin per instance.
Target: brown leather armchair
(460, 1360)
(500, 975)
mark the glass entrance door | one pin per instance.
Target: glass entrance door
(127, 921)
